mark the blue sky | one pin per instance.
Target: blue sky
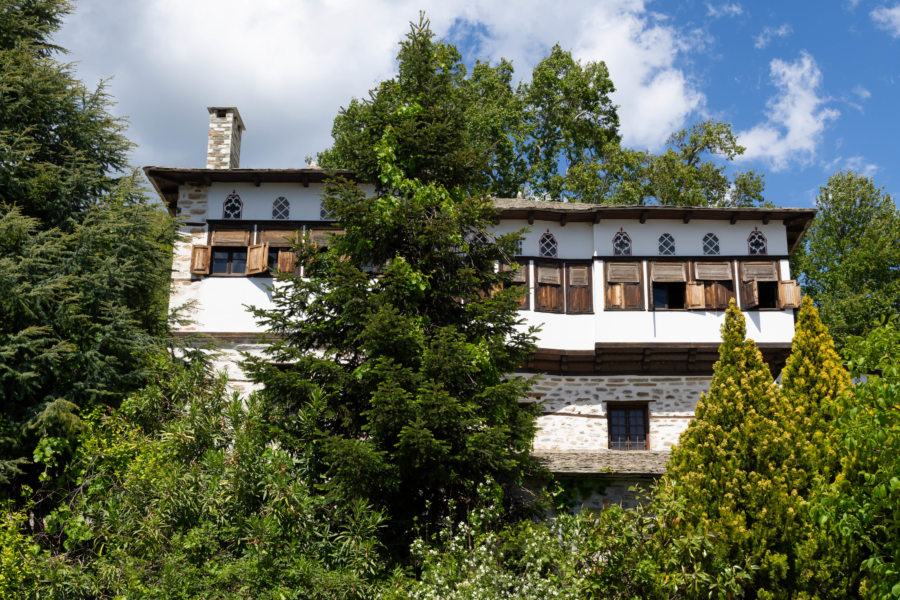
(810, 87)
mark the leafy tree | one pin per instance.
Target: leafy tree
(859, 511)
(84, 257)
(850, 255)
(399, 344)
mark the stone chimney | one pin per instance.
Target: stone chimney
(225, 127)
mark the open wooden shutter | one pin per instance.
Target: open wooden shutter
(615, 295)
(759, 271)
(579, 299)
(751, 294)
(694, 296)
(549, 293)
(230, 237)
(257, 258)
(668, 271)
(789, 294)
(200, 259)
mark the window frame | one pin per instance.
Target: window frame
(233, 196)
(230, 250)
(287, 210)
(626, 407)
(703, 241)
(776, 283)
(651, 293)
(666, 238)
(590, 286)
(640, 286)
(526, 267)
(622, 233)
(560, 265)
(711, 286)
(552, 237)
(765, 251)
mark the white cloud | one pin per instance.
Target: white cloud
(858, 164)
(887, 18)
(726, 9)
(862, 93)
(796, 118)
(769, 33)
(290, 64)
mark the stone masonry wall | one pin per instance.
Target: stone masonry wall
(224, 145)
(192, 205)
(574, 408)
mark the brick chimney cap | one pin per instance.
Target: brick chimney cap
(233, 109)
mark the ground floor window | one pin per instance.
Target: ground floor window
(229, 261)
(628, 426)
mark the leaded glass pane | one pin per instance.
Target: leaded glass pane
(232, 207)
(281, 208)
(666, 245)
(710, 244)
(756, 243)
(548, 247)
(324, 213)
(622, 244)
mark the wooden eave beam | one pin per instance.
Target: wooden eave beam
(562, 219)
(531, 217)
(733, 218)
(643, 217)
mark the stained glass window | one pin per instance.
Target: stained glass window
(232, 207)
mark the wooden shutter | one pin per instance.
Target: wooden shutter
(751, 294)
(200, 259)
(549, 292)
(694, 296)
(579, 300)
(668, 271)
(633, 297)
(629, 272)
(759, 271)
(712, 271)
(789, 294)
(615, 295)
(287, 261)
(277, 237)
(230, 237)
(322, 237)
(520, 275)
(257, 258)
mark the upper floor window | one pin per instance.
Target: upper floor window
(711, 244)
(324, 213)
(548, 247)
(756, 242)
(233, 207)
(621, 244)
(481, 238)
(281, 208)
(666, 245)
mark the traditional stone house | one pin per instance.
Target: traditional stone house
(630, 299)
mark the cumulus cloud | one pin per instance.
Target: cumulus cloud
(888, 19)
(290, 64)
(770, 33)
(796, 120)
(857, 164)
(725, 9)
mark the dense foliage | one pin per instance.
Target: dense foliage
(850, 258)
(554, 137)
(84, 257)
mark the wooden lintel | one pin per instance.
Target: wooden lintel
(531, 217)
(733, 218)
(643, 218)
(305, 180)
(562, 219)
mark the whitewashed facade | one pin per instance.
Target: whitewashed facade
(629, 300)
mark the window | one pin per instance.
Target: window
(579, 297)
(547, 247)
(324, 213)
(520, 280)
(233, 207)
(713, 288)
(621, 244)
(628, 426)
(756, 243)
(669, 285)
(281, 209)
(229, 261)
(279, 256)
(624, 285)
(481, 239)
(760, 284)
(711, 244)
(666, 245)
(549, 291)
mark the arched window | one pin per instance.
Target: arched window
(233, 207)
(666, 245)
(621, 244)
(756, 242)
(324, 213)
(711, 244)
(548, 247)
(481, 238)
(281, 208)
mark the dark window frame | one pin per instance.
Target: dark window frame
(559, 264)
(769, 284)
(230, 250)
(644, 407)
(641, 285)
